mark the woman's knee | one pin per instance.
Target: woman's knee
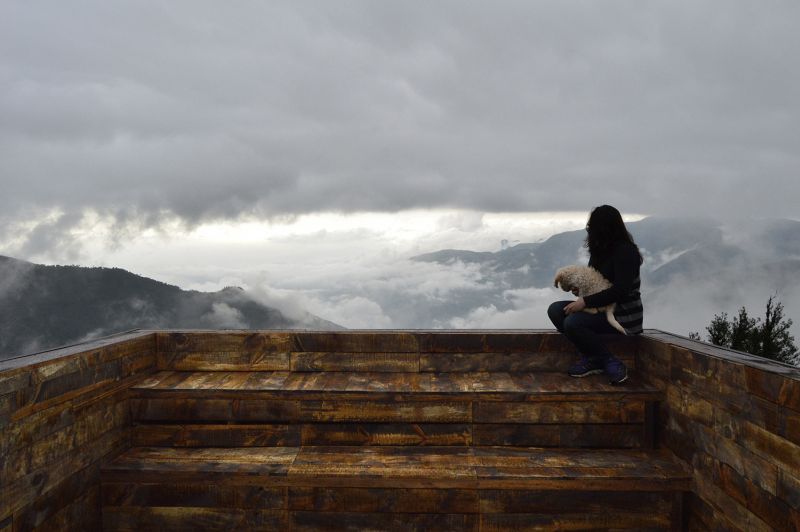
(556, 314)
(572, 324)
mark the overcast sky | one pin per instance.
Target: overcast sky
(124, 119)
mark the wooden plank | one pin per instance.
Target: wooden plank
(386, 434)
(162, 380)
(260, 380)
(194, 495)
(499, 386)
(14, 380)
(66, 493)
(212, 380)
(381, 466)
(606, 435)
(27, 490)
(378, 500)
(357, 342)
(391, 383)
(208, 410)
(133, 518)
(580, 502)
(491, 362)
(772, 510)
(377, 411)
(227, 361)
(236, 465)
(386, 522)
(715, 377)
(769, 446)
(501, 362)
(640, 521)
(726, 505)
(507, 468)
(170, 343)
(773, 387)
(54, 387)
(297, 382)
(649, 425)
(93, 393)
(139, 363)
(689, 404)
(189, 410)
(699, 514)
(622, 411)
(84, 513)
(193, 435)
(789, 487)
(338, 361)
(91, 425)
(726, 449)
(38, 425)
(88, 353)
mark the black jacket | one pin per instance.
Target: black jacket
(621, 268)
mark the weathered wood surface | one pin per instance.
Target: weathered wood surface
(606, 435)
(734, 418)
(62, 413)
(139, 518)
(319, 488)
(497, 386)
(385, 351)
(375, 408)
(411, 467)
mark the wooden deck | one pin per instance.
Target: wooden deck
(394, 430)
(318, 486)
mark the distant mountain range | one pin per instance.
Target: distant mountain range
(693, 268)
(689, 249)
(48, 306)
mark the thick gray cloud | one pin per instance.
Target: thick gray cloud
(142, 110)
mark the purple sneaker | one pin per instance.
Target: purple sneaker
(616, 371)
(587, 366)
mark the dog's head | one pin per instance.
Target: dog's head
(566, 277)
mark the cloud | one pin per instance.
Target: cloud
(223, 316)
(14, 276)
(528, 310)
(295, 107)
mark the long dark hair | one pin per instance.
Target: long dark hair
(604, 230)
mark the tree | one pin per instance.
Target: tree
(770, 338)
(773, 338)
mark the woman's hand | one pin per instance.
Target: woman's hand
(576, 306)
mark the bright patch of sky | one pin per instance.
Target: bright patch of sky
(213, 255)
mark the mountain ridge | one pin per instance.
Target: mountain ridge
(46, 306)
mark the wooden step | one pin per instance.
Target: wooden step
(233, 409)
(392, 488)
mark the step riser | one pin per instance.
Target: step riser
(140, 506)
(375, 351)
(624, 436)
(377, 362)
(402, 409)
(165, 421)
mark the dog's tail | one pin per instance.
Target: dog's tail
(612, 320)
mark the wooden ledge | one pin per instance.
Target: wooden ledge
(423, 386)
(407, 467)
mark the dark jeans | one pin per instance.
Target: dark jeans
(582, 329)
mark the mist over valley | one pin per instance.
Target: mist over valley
(693, 269)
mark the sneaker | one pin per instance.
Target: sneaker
(616, 371)
(586, 366)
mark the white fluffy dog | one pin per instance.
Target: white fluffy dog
(585, 281)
